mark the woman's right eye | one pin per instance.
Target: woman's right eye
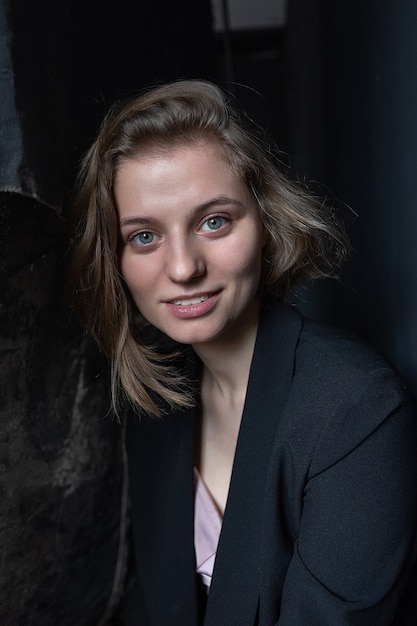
(143, 238)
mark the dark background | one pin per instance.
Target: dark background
(337, 89)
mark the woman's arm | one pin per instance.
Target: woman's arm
(356, 545)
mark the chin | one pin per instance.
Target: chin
(191, 337)
(194, 339)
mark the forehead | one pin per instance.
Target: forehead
(177, 179)
(199, 159)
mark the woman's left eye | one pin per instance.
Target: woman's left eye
(143, 238)
(214, 223)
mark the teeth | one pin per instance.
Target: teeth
(191, 301)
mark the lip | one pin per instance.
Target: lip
(192, 305)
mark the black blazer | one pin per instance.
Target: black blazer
(320, 522)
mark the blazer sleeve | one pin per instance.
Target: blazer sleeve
(132, 610)
(356, 543)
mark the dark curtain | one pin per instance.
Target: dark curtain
(67, 61)
(351, 123)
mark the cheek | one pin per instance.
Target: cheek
(244, 260)
(136, 275)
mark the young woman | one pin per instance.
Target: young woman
(272, 459)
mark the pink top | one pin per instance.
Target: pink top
(207, 527)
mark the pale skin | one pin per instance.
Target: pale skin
(191, 255)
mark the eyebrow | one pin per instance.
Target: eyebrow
(201, 208)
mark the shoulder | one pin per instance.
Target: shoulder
(342, 391)
(343, 364)
(323, 355)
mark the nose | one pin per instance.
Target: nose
(184, 262)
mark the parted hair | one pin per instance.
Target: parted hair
(305, 240)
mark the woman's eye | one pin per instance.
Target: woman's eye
(214, 223)
(145, 237)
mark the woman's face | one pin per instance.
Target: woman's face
(191, 243)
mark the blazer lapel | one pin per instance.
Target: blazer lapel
(234, 594)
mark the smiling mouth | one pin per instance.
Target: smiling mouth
(190, 301)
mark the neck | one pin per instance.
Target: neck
(227, 361)
(226, 366)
